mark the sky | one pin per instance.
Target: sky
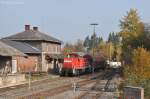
(68, 20)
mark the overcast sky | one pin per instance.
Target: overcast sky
(68, 20)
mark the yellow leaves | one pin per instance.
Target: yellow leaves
(141, 63)
(107, 48)
(131, 27)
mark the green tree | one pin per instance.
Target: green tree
(135, 48)
(115, 40)
(92, 42)
(131, 29)
(131, 25)
(86, 42)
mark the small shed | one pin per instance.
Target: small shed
(7, 54)
(26, 64)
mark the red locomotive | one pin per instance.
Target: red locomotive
(77, 63)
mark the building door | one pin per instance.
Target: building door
(14, 66)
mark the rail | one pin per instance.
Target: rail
(99, 91)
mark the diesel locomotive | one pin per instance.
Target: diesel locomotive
(77, 63)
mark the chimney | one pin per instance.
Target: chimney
(27, 27)
(35, 28)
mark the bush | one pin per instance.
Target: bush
(138, 74)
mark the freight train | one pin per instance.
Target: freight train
(77, 62)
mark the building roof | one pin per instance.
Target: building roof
(23, 47)
(33, 35)
(6, 50)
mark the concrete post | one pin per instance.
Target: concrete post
(131, 92)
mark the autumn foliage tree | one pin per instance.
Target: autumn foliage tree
(131, 29)
(138, 73)
(114, 39)
(135, 48)
(141, 64)
(75, 47)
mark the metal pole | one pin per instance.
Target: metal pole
(110, 51)
(94, 25)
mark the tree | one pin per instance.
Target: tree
(137, 74)
(100, 40)
(135, 47)
(141, 62)
(86, 42)
(75, 47)
(114, 38)
(145, 38)
(78, 46)
(92, 42)
(107, 48)
(68, 48)
(131, 26)
(131, 29)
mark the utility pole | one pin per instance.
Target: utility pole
(93, 43)
(94, 25)
(110, 51)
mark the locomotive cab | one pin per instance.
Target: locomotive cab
(75, 64)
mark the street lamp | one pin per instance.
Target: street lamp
(94, 25)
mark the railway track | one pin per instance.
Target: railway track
(46, 79)
(45, 87)
(48, 87)
(96, 91)
(84, 79)
(23, 90)
(56, 90)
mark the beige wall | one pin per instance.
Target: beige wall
(45, 48)
(51, 48)
(27, 64)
